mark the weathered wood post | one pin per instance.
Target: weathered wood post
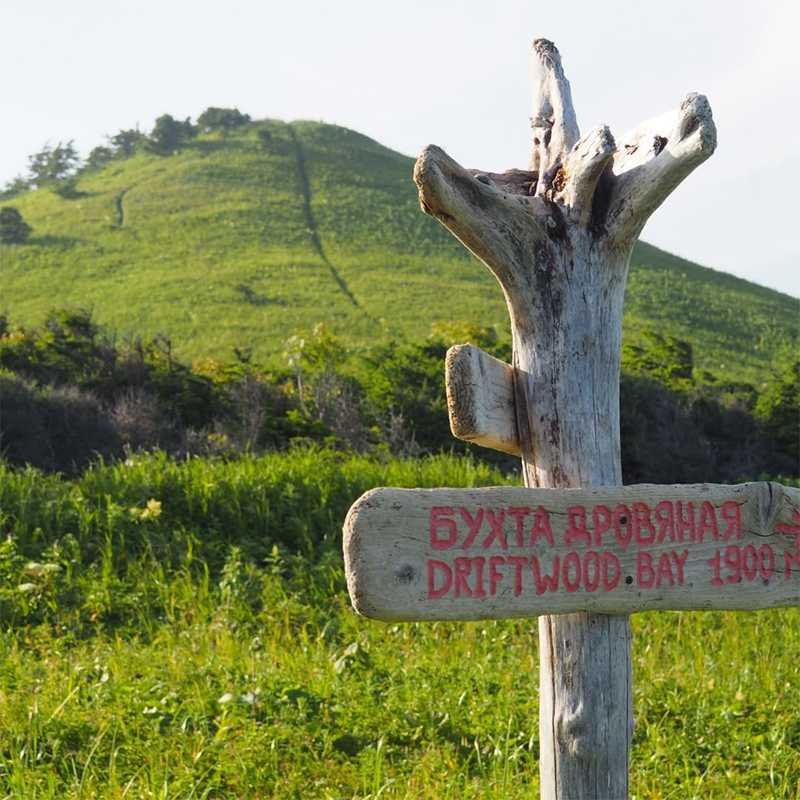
(558, 237)
(574, 543)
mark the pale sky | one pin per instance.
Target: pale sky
(452, 73)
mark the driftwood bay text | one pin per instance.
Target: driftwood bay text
(479, 543)
(473, 554)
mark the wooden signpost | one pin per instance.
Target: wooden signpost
(574, 547)
(416, 554)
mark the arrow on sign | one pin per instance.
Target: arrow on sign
(795, 529)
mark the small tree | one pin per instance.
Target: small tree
(169, 133)
(99, 157)
(13, 228)
(126, 142)
(14, 187)
(224, 119)
(404, 388)
(52, 164)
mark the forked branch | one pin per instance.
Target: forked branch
(501, 225)
(576, 193)
(653, 159)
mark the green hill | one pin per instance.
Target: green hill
(239, 240)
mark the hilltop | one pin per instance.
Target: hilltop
(240, 239)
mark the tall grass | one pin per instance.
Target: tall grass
(104, 528)
(205, 648)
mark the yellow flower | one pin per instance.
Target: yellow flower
(153, 509)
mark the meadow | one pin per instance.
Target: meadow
(182, 630)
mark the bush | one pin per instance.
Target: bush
(125, 143)
(405, 384)
(67, 188)
(151, 400)
(15, 186)
(99, 157)
(52, 164)
(392, 399)
(779, 407)
(224, 119)
(70, 349)
(140, 423)
(52, 428)
(13, 228)
(665, 358)
(670, 436)
(169, 134)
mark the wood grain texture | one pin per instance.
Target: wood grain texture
(462, 554)
(652, 160)
(558, 238)
(480, 399)
(554, 125)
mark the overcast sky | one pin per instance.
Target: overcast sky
(453, 73)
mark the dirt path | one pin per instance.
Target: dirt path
(305, 186)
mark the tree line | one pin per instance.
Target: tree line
(57, 167)
(72, 393)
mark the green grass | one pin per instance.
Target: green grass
(206, 649)
(217, 250)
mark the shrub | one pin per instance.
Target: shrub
(670, 436)
(13, 228)
(140, 423)
(224, 119)
(53, 164)
(99, 157)
(126, 142)
(663, 357)
(779, 407)
(406, 383)
(53, 428)
(67, 188)
(15, 186)
(169, 134)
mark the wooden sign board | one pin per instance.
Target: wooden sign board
(459, 554)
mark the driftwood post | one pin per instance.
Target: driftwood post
(558, 237)
(574, 542)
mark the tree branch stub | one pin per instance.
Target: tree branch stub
(480, 399)
(554, 126)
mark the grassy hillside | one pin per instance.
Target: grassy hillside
(239, 240)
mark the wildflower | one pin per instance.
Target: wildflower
(153, 509)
